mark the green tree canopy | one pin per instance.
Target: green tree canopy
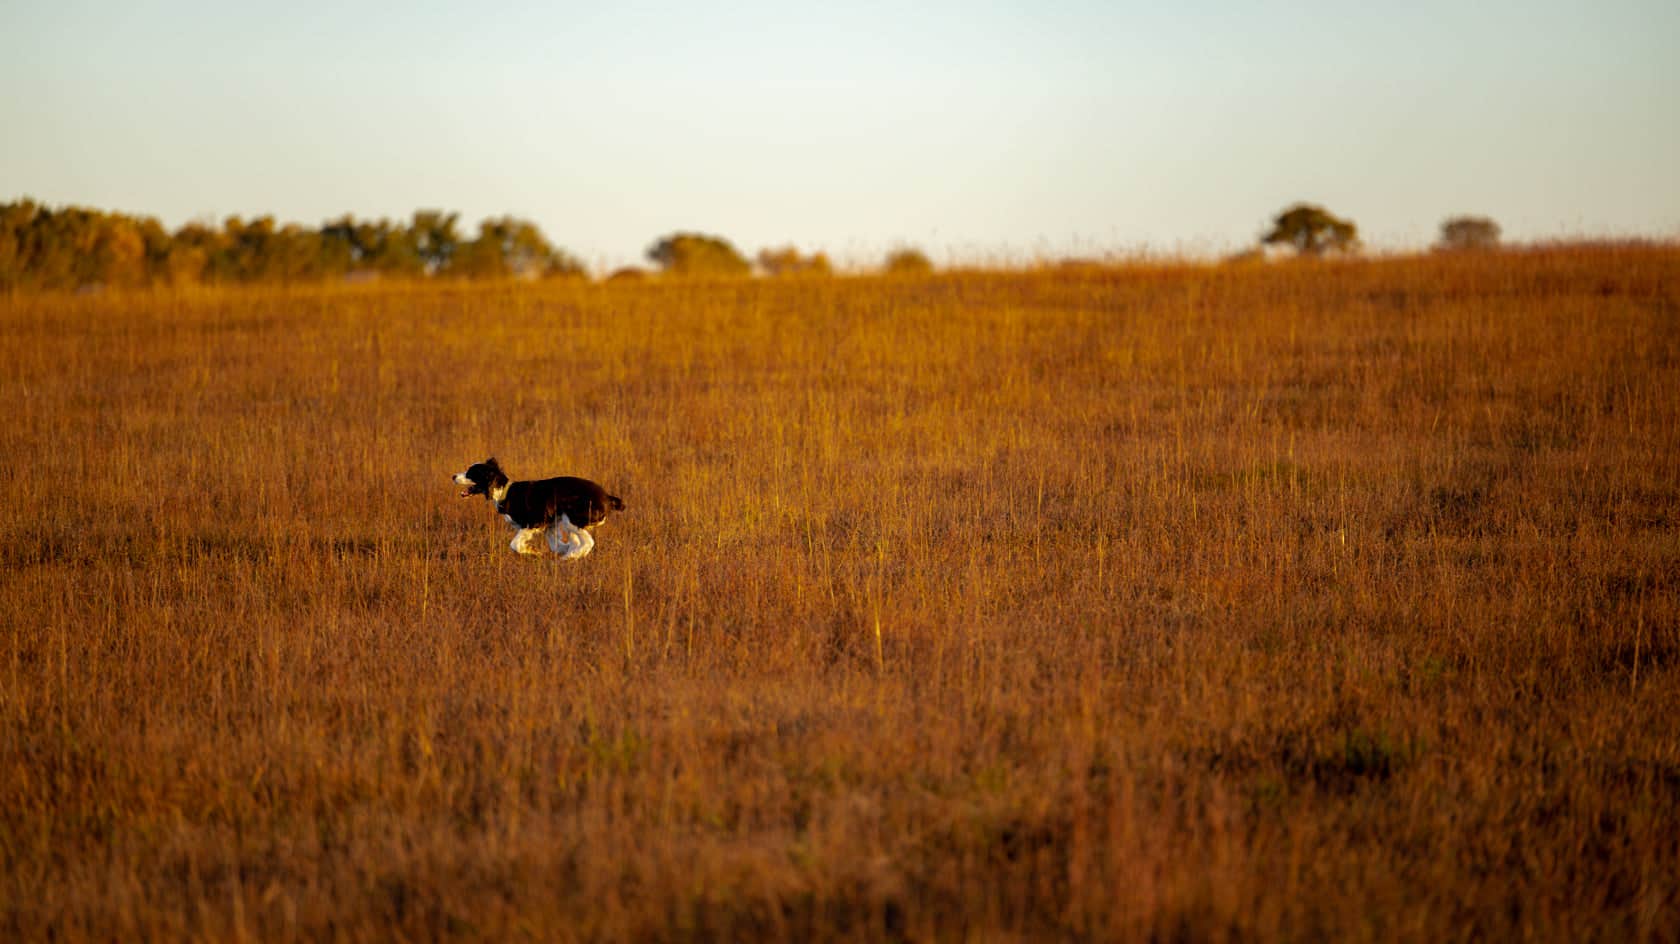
(1468, 232)
(1312, 231)
(696, 254)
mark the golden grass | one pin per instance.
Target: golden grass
(1321, 601)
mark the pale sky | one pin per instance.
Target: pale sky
(976, 131)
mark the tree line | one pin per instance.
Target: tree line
(74, 247)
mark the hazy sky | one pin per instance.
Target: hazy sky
(973, 130)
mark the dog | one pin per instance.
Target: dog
(565, 507)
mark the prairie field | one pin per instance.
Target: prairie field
(1304, 601)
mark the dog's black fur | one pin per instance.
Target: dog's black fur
(540, 502)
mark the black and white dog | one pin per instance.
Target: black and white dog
(565, 507)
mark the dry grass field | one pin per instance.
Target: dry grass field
(1318, 601)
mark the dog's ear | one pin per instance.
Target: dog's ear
(491, 462)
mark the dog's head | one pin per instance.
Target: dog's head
(480, 478)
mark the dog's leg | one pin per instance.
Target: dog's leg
(522, 543)
(560, 539)
(570, 541)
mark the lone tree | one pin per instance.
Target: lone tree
(908, 260)
(1312, 231)
(1468, 232)
(697, 254)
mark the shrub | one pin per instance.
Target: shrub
(908, 261)
(787, 261)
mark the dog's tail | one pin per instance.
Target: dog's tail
(615, 503)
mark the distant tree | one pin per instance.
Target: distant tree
(908, 261)
(193, 254)
(512, 248)
(258, 250)
(119, 255)
(65, 250)
(185, 263)
(485, 257)
(1312, 231)
(243, 248)
(1468, 232)
(524, 252)
(17, 224)
(434, 238)
(699, 255)
(388, 249)
(341, 253)
(563, 265)
(156, 240)
(295, 255)
(787, 261)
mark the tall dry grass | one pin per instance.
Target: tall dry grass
(1321, 601)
